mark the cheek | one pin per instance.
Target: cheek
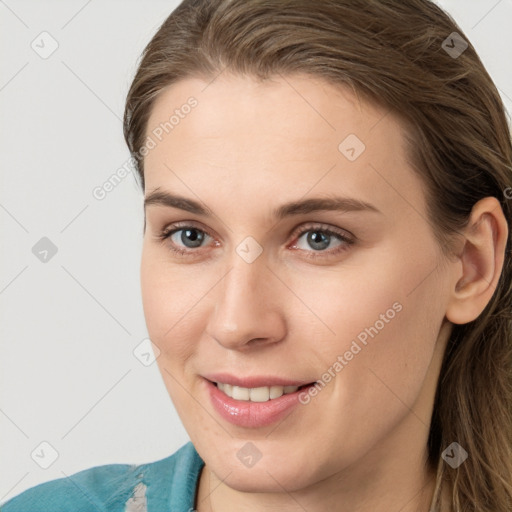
(171, 298)
(369, 323)
(386, 335)
(373, 296)
(171, 295)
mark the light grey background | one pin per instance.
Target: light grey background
(69, 326)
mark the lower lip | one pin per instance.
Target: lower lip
(252, 414)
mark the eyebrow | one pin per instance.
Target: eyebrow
(300, 207)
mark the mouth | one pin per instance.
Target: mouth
(258, 394)
(260, 402)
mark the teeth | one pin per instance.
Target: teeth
(262, 394)
(276, 391)
(240, 393)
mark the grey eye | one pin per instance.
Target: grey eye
(189, 237)
(318, 239)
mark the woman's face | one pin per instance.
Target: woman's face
(260, 284)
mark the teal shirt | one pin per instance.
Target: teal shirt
(167, 485)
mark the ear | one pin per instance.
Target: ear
(480, 262)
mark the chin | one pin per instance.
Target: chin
(265, 479)
(274, 471)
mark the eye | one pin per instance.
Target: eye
(190, 237)
(184, 239)
(323, 240)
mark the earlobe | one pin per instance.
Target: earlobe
(480, 262)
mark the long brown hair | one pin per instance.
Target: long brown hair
(404, 56)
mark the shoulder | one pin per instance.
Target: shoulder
(166, 484)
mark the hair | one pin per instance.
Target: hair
(389, 52)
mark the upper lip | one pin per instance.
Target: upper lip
(255, 381)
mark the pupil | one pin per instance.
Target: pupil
(318, 242)
(192, 235)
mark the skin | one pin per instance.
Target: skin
(245, 149)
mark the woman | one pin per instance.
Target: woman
(326, 268)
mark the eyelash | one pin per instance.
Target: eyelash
(347, 241)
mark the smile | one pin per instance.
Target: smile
(259, 394)
(253, 404)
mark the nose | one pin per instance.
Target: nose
(247, 311)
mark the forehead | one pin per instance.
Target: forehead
(303, 107)
(282, 136)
